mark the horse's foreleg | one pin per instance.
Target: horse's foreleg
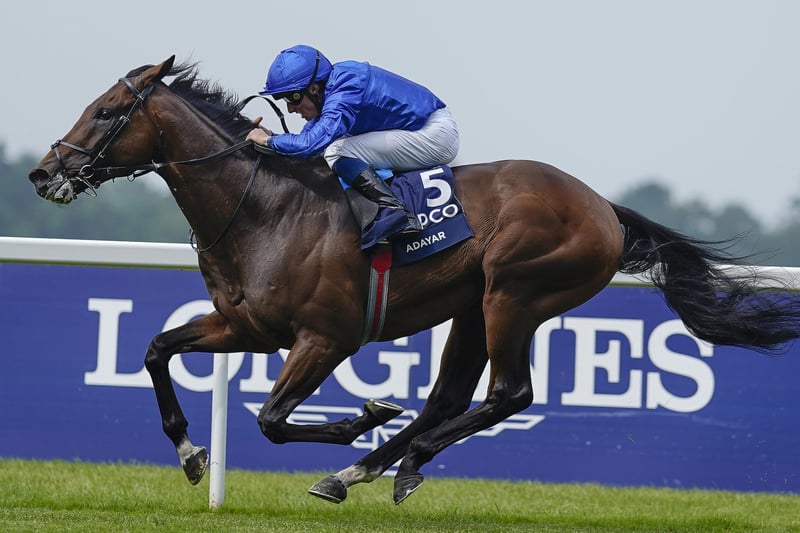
(310, 361)
(463, 360)
(206, 334)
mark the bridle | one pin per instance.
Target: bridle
(98, 152)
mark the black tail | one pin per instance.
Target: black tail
(718, 305)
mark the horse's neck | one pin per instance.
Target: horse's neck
(207, 192)
(290, 201)
(188, 134)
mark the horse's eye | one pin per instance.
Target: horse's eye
(104, 114)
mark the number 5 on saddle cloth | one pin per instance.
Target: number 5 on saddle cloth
(430, 195)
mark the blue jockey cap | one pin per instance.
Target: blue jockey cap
(295, 69)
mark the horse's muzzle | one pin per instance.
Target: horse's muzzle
(58, 188)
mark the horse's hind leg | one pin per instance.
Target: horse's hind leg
(510, 323)
(510, 391)
(206, 334)
(463, 360)
(543, 260)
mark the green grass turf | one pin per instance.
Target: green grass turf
(74, 496)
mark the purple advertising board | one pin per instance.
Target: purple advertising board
(624, 395)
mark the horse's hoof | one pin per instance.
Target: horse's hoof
(405, 486)
(195, 464)
(383, 410)
(329, 489)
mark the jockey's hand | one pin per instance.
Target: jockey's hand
(260, 134)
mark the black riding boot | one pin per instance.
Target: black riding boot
(373, 188)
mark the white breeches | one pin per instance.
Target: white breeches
(436, 143)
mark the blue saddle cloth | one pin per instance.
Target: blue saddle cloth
(430, 195)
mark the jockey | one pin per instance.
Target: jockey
(360, 117)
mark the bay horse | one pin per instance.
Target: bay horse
(278, 249)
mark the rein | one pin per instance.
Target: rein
(98, 152)
(235, 211)
(134, 171)
(139, 170)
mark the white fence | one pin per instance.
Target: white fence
(145, 255)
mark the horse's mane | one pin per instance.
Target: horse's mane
(223, 108)
(208, 97)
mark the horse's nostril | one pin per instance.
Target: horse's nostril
(39, 176)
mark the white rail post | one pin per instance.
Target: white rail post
(219, 431)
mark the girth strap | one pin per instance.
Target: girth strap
(380, 266)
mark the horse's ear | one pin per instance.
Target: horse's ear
(167, 65)
(156, 72)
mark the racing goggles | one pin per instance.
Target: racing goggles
(293, 98)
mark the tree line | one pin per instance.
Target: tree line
(123, 210)
(138, 211)
(732, 227)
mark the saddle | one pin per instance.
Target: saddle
(430, 195)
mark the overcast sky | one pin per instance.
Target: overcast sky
(703, 95)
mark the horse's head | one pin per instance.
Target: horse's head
(112, 134)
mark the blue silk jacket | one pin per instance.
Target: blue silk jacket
(359, 98)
